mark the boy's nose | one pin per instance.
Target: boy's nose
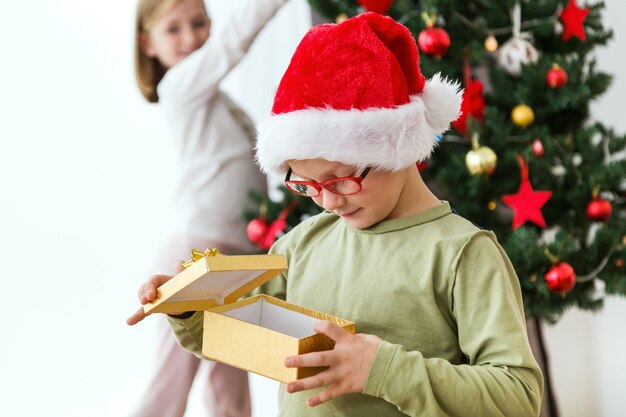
(332, 201)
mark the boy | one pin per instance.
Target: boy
(436, 299)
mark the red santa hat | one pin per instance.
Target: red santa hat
(354, 93)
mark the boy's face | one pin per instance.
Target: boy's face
(180, 30)
(380, 199)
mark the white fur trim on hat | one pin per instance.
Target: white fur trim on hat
(390, 139)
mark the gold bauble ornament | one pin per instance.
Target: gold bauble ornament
(522, 115)
(341, 18)
(481, 159)
(491, 43)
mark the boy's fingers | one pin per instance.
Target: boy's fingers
(308, 360)
(332, 330)
(158, 280)
(146, 293)
(148, 290)
(316, 381)
(328, 394)
(136, 317)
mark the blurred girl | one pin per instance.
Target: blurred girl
(179, 64)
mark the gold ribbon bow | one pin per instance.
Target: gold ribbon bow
(196, 255)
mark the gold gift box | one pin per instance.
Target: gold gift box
(255, 334)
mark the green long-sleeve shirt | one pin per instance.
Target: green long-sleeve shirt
(442, 295)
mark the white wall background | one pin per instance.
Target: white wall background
(84, 168)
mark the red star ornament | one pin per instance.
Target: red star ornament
(572, 18)
(527, 203)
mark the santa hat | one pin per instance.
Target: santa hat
(354, 93)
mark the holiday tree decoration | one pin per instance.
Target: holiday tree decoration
(342, 17)
(555, 127)
(473, 106)
(522, 115)
(263, 234)
(277, 227)
(517, 51)
(556, 76)
(537, 147)
(376, 6)
(481, 159)
(273, 218)
(599, 209)
(491, 43)
(573, 17)
(560, 278)
(527, 203)
(432, 40)
(257, 230)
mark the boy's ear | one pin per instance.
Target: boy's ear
(145, 45)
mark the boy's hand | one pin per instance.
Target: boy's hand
(147, 293)
(349, 364)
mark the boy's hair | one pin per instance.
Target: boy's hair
(149, 71)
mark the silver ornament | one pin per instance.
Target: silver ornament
(514, 53)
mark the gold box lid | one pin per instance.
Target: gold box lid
(213, 280)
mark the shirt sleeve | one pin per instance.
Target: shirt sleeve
(194, 80)
(188, 332)
(500, 376)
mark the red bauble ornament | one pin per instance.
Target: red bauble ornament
(433, 41)
(278, 226)
(537, 147)
(572, 18)
(376, 6)
(556, 76)
(473, 105)
(560, 278)
(527, 203)
(257, 229)
(599, 210)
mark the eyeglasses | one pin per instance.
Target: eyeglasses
(341, 185)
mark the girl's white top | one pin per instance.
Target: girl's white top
(216, 165)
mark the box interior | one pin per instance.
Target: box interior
(215, 285)
(276, 318)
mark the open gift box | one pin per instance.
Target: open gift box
(255, 334)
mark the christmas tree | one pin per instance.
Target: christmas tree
(524, 159)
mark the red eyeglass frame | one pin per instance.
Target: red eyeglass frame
(323, 185)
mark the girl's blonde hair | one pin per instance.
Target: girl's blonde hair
(148, 71)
